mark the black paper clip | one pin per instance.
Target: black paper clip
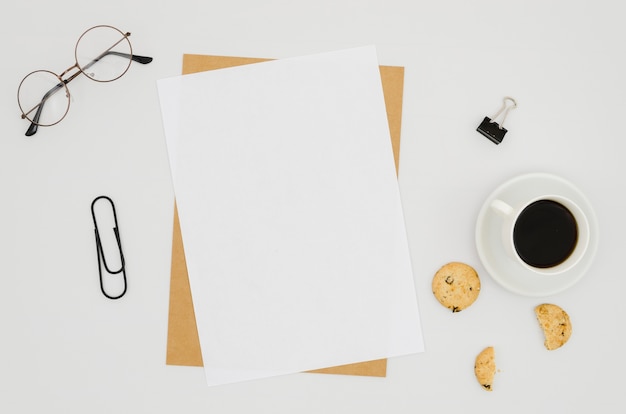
(104, 213)
(490, 128)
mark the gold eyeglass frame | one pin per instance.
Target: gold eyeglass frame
(62, 85)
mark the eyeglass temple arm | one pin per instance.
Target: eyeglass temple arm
(32, 129)
(139, 59)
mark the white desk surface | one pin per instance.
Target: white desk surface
(64, 348)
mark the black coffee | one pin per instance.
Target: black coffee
(545, 234)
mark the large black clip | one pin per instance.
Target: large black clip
(490, 128)
(104, 216)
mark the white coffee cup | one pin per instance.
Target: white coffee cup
(514, 247)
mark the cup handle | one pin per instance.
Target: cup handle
(502, 208)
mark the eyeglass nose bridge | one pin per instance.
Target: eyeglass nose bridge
(73, 75)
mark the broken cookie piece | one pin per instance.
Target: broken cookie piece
(485, 368)
(555, 323)
(456, 286)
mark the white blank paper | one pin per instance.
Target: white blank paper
(290, 215)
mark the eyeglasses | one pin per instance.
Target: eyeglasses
(103, 54)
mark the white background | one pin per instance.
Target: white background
(64, 348)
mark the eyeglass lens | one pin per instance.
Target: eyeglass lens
(39, 88)
(103, 53)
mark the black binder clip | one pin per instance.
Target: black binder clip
(490, 128)
(113, 261)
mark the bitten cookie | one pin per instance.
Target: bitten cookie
(485, 368)
(555, 324)
(456, 286)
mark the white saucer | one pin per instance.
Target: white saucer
(509, 273)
